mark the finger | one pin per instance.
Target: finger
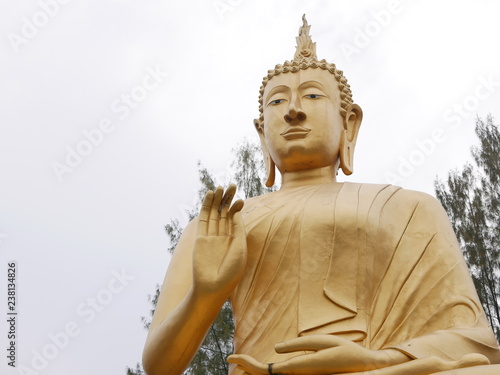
(236, 227)
(248, 364)
(229, 195)
(236, 207)
(213, 222)
(309, 343)
(224, 208)
(206, 206)
(473, 359)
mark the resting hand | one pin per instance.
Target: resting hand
(327, 354)
(220, 251)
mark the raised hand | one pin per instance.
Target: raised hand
(220, 251)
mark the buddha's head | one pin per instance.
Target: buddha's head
(307, 116)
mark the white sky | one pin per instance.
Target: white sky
(108, 214)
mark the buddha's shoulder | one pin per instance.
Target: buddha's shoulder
(356, 191)
(395, 197)
(393, 191)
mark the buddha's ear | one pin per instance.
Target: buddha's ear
(351, 122)
(268, 161)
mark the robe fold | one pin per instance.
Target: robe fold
(376, 264)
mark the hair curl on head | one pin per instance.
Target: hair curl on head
(295, 66)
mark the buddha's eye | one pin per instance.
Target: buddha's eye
(313, 96)
(277, 101)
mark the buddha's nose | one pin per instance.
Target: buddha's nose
(295, 113)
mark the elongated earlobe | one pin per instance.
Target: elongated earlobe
(352, 122)
(270, 170)
(268, 160)
(346, 154)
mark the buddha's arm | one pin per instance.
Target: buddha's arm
(206, 266)
(181, 319)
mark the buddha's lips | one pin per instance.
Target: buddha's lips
(294, 132)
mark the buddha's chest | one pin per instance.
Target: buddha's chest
(299, 225)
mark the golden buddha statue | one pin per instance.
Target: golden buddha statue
(324, 277)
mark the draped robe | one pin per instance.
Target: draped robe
(376, 264)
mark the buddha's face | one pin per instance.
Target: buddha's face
(302, 121)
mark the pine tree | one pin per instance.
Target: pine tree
(249, 169)
(471, 197)
(218, 344)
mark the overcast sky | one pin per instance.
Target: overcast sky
(106, 107)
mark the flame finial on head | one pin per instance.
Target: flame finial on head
(306, 48)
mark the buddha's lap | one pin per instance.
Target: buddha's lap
(475, 370)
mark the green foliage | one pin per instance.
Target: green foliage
(249, 169)
(471, 197)
(137, 371)
(218, 343)
(153, 298)
(207, 183)
(174, 231)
